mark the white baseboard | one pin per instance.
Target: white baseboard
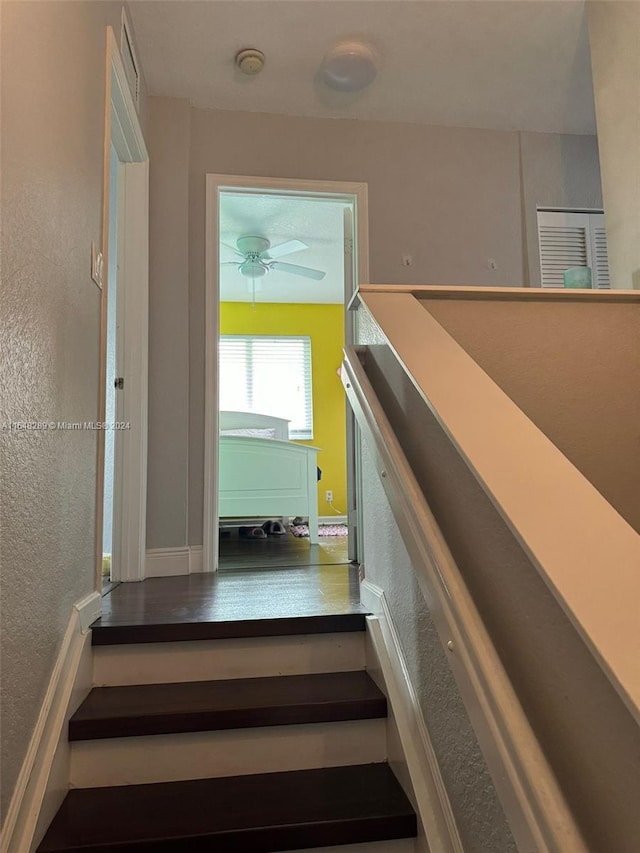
(167, 562)
(434, 808)
(196, 556)
(35, 782)
(332, 519)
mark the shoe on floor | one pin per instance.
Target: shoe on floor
(252, 533)
(274, 528)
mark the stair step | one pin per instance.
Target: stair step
(230, 752)
(243, 657)
(111, 634)
(153, 709)
(261, 813)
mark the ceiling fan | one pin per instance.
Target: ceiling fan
(259, 257)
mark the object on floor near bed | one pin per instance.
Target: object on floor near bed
(302, 530)
(274, 528)
(251, 533)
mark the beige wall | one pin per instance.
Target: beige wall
(452, 198)
(614, 34)
(53, 84)
(571, 369)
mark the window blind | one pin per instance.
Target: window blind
(268, 375)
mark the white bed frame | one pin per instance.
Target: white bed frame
(264, 477)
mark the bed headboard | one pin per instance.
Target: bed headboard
(253, 420)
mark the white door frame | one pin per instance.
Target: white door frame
(215, 184)
(123, 130)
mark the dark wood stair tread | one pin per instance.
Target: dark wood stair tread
(257, 813)
(112, 633)
(228, 704)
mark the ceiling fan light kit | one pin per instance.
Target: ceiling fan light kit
(259, 257)
(349, 67)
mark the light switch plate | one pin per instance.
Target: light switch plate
(97, 265)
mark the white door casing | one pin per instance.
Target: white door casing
(123, 131)
(215, 184)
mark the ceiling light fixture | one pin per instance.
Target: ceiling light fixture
(349, 67)
(250, 61)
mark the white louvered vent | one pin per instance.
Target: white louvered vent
(561, 248)
(569, 239)
(601, 258)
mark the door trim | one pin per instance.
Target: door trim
(239, 183)
(123, 129)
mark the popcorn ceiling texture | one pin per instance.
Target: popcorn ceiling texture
(481, 821)
(52, 168)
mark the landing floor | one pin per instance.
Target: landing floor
(241, 592)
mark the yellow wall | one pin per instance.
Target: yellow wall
(325, 326)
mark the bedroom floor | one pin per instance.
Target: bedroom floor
(280, 552)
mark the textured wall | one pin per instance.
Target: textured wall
(586, 732)
(572, 369)
(481, 821)
(168, 447)
(614, 35)
(53, 83)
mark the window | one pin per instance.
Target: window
(570, 239)
(268, 375)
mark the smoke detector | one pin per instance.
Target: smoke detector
(250, 61)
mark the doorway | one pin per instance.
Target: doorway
(290, 291)
(122, 437)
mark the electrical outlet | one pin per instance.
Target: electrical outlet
(328, 496)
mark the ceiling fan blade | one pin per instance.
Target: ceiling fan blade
(230, 263)
(307, 272)
(287, 248)
(232, 249)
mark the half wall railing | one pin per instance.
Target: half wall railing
(560, 620)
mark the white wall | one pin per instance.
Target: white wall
(53, 87)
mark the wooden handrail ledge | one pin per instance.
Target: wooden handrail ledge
(588, 555)
(492, 294)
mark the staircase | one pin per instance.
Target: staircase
(255, 735)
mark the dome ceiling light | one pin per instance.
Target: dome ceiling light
(349, 67)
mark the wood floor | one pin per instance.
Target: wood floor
(279, 551)
(262, 579)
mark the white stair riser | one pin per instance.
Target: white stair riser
(156, 663)
(234, 752)
(399, 845)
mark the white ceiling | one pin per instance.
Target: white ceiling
(317, 222)
(518, 64)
